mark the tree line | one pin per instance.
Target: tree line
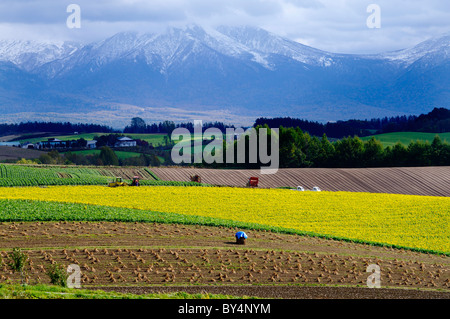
(52, 127)
(437, 121)
(300, 149)
(138, 125)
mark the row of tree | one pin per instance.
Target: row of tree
(437, 121)
(296, 149)
(138, 125)
(300, 149)
(52, 127)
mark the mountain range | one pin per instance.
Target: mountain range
(229, 74)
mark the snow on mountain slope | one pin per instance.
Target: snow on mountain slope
(236, 69)
(438, 45)
(245, 43)
(176, 44)
(267, 43)
(29, 55)
(164, 49)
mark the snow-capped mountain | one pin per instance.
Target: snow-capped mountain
(30, 55)
(437, 46)
(266, 43)
(227, 74)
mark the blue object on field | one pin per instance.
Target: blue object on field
(241, 234)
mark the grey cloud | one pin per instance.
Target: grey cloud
(333, 25)
(306, 3)
(31, 12)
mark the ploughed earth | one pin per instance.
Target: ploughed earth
(430, 181)
(146, 257)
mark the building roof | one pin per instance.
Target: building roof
(125, 139)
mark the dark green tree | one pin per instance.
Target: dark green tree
(440, 152)
(419, 154)
(349, 152)
(395, 156)
(373, 153)
(108, 156)
(138, 125)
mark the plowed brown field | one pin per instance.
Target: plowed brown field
(139, 257)
(16, 153)
(433, 181)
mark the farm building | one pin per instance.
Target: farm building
(53, 143)
(30, 146)
(91, 144)
(125, 142)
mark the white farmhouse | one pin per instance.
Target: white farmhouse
(125, 142)
(91, 144)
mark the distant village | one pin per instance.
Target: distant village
(55, 143)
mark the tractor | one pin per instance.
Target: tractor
(253, 182)
(135, 181)
(196, 178)
(117, 182)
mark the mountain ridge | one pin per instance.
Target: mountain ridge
(227, 73)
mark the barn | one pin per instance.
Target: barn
(125, 142)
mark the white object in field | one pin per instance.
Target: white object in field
(316, 189)
(300, 188)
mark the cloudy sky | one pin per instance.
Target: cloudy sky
(332, 25)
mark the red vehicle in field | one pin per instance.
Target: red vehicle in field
(253, 182)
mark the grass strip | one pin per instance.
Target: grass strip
(11, 291)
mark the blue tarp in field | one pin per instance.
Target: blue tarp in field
(241, 234)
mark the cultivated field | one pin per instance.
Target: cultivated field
(146, 257)
(164, 239)
(43, 175)
(375, 218)
(405, 138)
(433, 181)
(120, 154)
(16, 153)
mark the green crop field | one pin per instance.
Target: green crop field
(86, 136)
(16, 175)
(120, 154)
(154, 139)
(390, 139)
(21, 175)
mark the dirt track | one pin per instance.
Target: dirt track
(433, 181)
(156, 257)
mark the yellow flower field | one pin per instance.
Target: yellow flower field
(405, 220)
